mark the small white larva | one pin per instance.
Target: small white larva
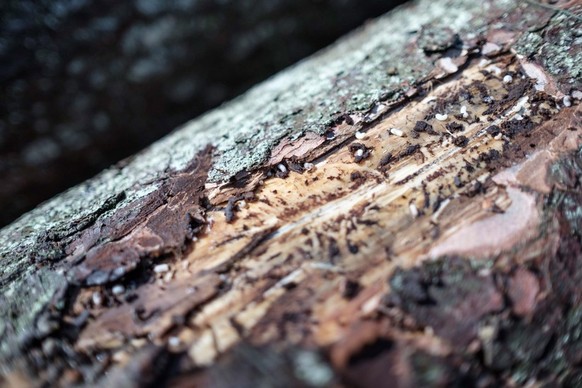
(441, 117)
(483, 63)
(413, 210)
(567, 101)
(359, 153)
(97, 298)
(507, 79)
(282, 167)
(174, 342)
(396, 132)
(448, 65)
(494, 69)
(464, 111)
(371, 304)
(118, 289)
(161, 268)
(119, 272)
(360, 135)
(308, 166)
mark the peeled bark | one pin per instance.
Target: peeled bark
(401, 209)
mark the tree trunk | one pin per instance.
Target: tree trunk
(402, 208)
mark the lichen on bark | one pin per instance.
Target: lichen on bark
(556, 48)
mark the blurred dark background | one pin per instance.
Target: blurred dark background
(85, 83)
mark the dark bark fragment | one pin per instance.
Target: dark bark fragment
(448, 296)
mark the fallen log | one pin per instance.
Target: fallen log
(402, 208)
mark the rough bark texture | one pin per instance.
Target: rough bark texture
(403, 208)
(86, 83)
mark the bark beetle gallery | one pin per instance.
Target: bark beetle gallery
(402, 209)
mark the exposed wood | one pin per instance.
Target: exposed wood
(418, 229)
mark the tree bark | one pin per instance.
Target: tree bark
(402, 208)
